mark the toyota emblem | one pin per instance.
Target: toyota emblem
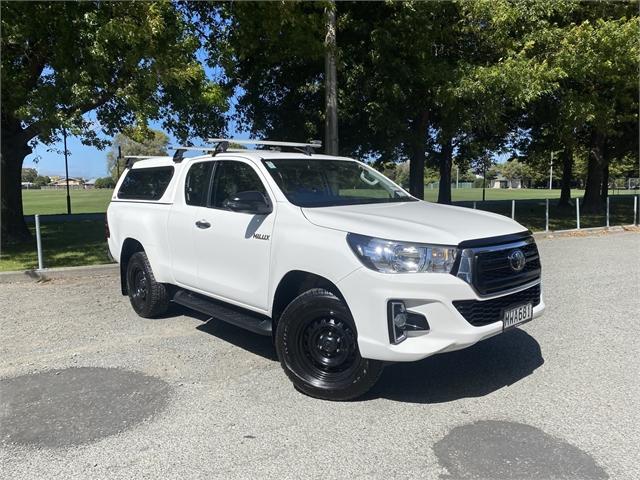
(517, 260)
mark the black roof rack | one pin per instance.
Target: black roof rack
(178, 156)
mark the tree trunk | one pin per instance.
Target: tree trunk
(14, 148)
(567, 171)
(604, 193)
(446, 157)
(418, 150)
(330, 83)
(592, 202)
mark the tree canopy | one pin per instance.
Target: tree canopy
(128, 62)
(155, 143)
(440, 81)
(432, 83)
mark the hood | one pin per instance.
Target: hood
(421, 222)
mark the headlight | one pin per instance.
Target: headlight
(387, 256)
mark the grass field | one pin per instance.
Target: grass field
(46, 202)
(64, 245)
(475, 194)
(83, 243)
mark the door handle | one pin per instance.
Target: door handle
(202, 224)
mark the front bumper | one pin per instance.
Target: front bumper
(430, 294)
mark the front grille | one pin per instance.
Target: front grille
(493, 272)
(484, 312)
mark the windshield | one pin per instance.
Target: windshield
(325, 183)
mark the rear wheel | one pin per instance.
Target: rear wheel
(148, 297)
(317, 345)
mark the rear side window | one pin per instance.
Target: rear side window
(145, 183)
(196, 186)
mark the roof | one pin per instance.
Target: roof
(64, 181)
(255, 155)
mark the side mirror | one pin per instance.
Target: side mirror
(248, 202)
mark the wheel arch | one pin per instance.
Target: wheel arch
(292, 284)
(129, 247)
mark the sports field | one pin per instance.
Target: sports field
(475, 194)
(96, 201)
(46, 202)
(82, 242)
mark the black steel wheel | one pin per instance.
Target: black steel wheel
(148, 297)
(317, 345)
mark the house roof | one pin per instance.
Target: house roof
(63, 181)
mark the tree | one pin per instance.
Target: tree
(604, 64)
(128, 62)
(430, 81)
(29, 175)
(41, 181)
(105, 182)
(331, 87)
(399, 92)
(393, 67)
(155, 143)
(592, 50)
(443, 79)
(512, 170)
(273, 55)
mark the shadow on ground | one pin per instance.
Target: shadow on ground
(249, 341)
(74, 406)
(473, 372)
(509, 451)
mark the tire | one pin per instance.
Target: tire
(317, 344)
(148, 297)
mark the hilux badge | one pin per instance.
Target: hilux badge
(517, 260)
(261, 236)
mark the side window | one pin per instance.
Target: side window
(232, 177)
(145, 183)
(196, 186)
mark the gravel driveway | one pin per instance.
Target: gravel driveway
(183, 397)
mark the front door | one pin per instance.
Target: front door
(233, 248)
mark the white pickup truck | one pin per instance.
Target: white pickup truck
(342, 267)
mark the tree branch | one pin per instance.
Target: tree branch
(36, 61)
(38, 127)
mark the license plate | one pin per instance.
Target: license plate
(514, 316)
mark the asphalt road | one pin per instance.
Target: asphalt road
(89, 390)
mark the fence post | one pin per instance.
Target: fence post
(474, 205)
(513, 209)
(39, 242)
(607, 211)
(546, 217)
(635, 210)
(578, 213)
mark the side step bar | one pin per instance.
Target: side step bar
(239, 317)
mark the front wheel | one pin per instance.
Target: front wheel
(317, 344)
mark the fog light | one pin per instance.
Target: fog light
(400, 318)
(402, 321)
